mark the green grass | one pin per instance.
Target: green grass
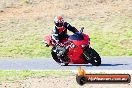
(13, 75)
(23, 37)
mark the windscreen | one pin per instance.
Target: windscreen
(76, 37)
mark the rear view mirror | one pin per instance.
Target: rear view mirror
(81, 29)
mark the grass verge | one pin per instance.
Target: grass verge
(13, 75)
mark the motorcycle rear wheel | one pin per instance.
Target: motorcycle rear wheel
(55, 56)
(64, 64)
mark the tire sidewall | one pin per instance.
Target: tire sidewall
(98, 58)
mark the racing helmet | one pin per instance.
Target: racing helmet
(59, 21)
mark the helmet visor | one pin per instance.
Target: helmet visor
(59, 24)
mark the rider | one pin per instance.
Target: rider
(59, 32)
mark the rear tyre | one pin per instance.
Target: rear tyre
(55, 56)
(64, 64)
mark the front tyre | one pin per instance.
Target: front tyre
(95, 58)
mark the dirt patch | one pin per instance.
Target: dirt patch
(70, 9)
(57, 82)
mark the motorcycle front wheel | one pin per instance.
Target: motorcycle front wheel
(90, 55)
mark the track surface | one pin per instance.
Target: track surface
(108, 63)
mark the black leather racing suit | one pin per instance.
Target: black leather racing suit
(58, 37)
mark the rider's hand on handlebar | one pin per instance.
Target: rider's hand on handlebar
(77, 33)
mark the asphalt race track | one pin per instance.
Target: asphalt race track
(108, 63)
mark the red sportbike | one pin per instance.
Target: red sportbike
(74, 50)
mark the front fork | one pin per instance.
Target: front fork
(87, 54)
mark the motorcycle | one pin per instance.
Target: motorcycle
(74, 50)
